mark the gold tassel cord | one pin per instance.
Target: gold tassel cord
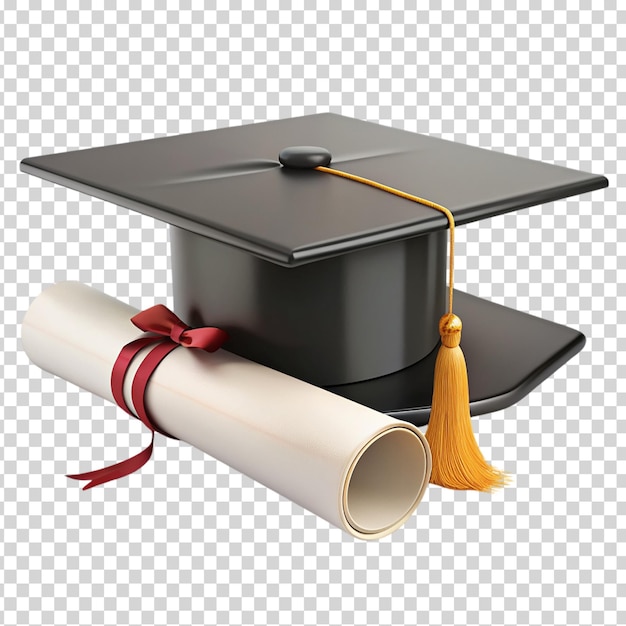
(458, 462)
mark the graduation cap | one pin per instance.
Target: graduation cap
(340, 283)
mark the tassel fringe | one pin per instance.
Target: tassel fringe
(458, 462)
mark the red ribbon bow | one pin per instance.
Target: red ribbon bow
(170, 333)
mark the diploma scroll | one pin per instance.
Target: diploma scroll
(361, 470)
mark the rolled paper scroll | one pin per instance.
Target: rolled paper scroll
(361, 470)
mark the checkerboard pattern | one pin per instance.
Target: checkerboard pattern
(189, 541)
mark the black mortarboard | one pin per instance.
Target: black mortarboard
(326, 279)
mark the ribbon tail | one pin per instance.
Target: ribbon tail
(113, 472)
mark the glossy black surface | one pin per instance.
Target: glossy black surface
(508, 353)
(344, 319)
(304, 157)
(228, 184)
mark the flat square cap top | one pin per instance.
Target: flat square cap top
(229, 185)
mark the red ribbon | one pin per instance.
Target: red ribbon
(170, 332)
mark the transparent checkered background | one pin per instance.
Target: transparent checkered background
(188, 541)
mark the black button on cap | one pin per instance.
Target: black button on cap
(304, 157)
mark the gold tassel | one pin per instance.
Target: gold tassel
(458, 462)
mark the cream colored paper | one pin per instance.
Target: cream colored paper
(359, 469)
